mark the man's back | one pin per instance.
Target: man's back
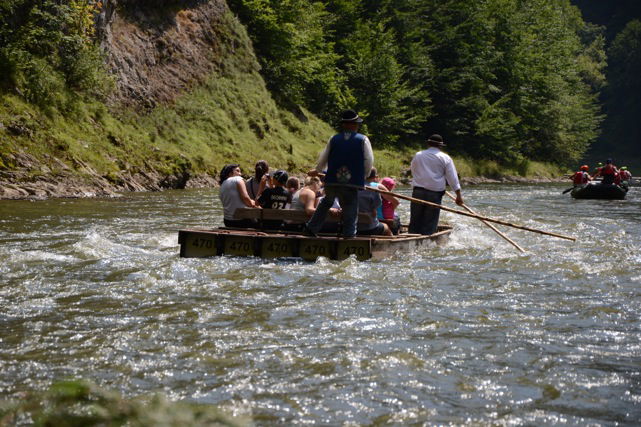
(432, 169)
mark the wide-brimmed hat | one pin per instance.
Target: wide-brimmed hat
(436, 140)
(350, 116)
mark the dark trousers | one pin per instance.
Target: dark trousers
(423, 218)
(348, 199)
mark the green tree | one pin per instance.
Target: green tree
(298, 60)
(378, 82)
(47, 51)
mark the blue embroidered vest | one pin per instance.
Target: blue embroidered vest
(345, 164)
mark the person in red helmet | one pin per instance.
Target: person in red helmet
(625, 176)
(581, 177)
(609, 172)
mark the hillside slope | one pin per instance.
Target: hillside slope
(187, 97)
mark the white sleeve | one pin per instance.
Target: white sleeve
(368, 154)
(451, 175)
(321, 165)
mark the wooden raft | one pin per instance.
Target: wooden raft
(199, 243)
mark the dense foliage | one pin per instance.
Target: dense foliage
(82, 403)
(506, 80)
(621, 136)
(47, 51)
(501, 79)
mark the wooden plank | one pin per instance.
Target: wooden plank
(197, 245)
(361, 248)
(239, 245)
(294, 215)
(272, 247)
(311, 248)
(206, 243)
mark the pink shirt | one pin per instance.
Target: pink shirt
(388, 209)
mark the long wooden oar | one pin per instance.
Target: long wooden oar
(471, 215)
(496, 230)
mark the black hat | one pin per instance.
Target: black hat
(350, 116)
(280, 176)
(436, 140)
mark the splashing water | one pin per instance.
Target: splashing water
(470, 332)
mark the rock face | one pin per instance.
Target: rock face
(156, 51)
(32, 179)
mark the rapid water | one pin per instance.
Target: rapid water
(472, 332)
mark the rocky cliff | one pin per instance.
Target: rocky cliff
(186, 97)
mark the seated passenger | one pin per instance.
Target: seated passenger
(256, 183)
(608, 172)
(625, 175)
(293, 185)
(390, 203)
(233, 195)
(306, 200)
(275, 197)
(581, 177)
(369, 202)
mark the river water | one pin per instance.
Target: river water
(471, 332)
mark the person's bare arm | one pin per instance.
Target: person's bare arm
(244, 196)
(308, 198)
(393, 200)
(459, 198)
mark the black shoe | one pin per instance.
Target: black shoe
(308, 231)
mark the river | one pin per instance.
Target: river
(472, 332)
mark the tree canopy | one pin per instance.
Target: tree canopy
(500, 79)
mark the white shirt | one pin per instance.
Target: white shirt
(230, 196)
(368, 154)
(432, 169)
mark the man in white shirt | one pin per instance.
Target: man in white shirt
(432, 170)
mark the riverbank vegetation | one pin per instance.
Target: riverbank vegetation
(621, 98)
(503, 80)
(511, 85)
(81, 403)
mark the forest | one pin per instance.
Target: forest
(505, 80)
(508, 80)
(620, 22)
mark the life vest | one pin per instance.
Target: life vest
(345, 164)
(608, 170)
(625, 175)
(580, 178)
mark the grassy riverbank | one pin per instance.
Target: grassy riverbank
(80, 143)
(80, 402)
(207, 127)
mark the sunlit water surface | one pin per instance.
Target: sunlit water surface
(470, 332)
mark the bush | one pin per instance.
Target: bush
(48, 50)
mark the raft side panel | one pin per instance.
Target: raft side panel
(207, 243)
(197, 244)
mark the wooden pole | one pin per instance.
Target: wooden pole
(471, 215)
(496, 230)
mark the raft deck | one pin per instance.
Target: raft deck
(198, 243)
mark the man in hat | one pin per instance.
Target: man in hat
(432, 170)
(349, 158)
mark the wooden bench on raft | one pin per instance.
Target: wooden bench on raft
(293, 215)
(296, 216)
